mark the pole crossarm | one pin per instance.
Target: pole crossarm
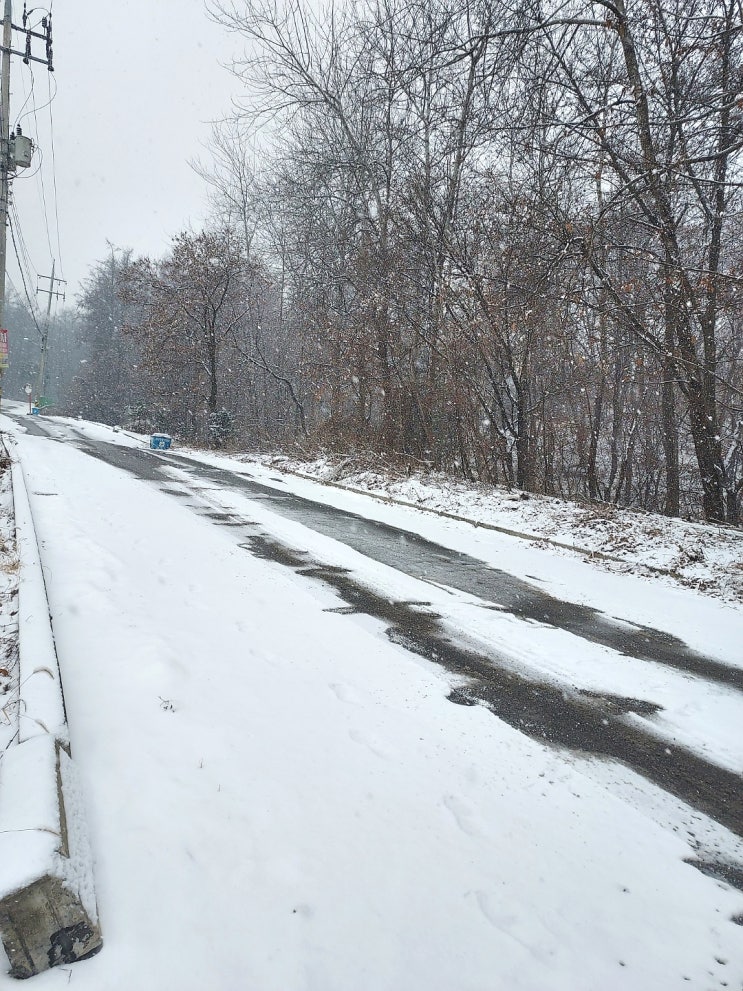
(27, 32)
(52, 279)
(24, 55)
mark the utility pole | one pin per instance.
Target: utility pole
(4, 153)
(15, 150)
(41, 380)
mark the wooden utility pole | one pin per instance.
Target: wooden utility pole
(4, 151)
(41, 380)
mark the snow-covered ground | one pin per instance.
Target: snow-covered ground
(282, 799)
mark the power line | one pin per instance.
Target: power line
(12, 284)
(31, 94)
(41, 183)
(54, 170)
(35, 111)
(23, 277)
(31, 269)
(21, 115)
(24, 262)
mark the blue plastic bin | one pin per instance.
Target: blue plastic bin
(160, 442)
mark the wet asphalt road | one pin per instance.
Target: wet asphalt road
(576, 720)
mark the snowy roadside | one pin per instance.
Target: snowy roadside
(706, 558)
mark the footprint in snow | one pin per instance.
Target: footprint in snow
(344, 693)
(376, 748)
(464, 816)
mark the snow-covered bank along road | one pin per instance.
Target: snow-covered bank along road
(296, 795)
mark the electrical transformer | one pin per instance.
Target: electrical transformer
(21, 150)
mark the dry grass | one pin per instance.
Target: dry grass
(10, 564)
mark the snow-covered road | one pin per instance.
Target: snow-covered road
(282, 798)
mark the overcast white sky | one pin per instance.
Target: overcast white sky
(138, 82)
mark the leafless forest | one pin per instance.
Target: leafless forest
(504, 241)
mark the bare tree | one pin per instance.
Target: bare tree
(505, 238)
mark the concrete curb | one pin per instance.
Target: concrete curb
(48, 913)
